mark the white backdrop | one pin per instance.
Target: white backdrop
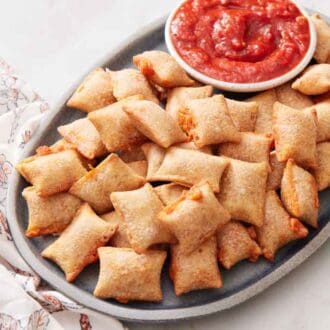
(51, 42)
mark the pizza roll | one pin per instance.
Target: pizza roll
(292, 98)
(195, 217)
(140, 167)
(49, 215)
(322, 171)
(323, 120)
(162, 69)
(153, 122)
(132, 155)
(126, 275)
(279, 228)
(235, 245)
(189, 167)
(168, 193)
(177, 98)
(276, 173)
(131, 82)
(254, 148)
(154, 155)
(196, 271)
(295, 135)
(315, 80)
(53, 173)
(192, 146)
(112, 174)
(120, 237)
(207, 121)
(77, 245)
(265, 102)
(115, 127)
(139, 209)
(83, 134)
(299, 194)
(243, 190)
(243, 114)
(322, 52)
(95, 92)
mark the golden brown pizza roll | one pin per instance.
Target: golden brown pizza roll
(235, 245)
(323, 119)
(132, 155)
(315, 80)
(276, 174)
(52, 173)
(243, 190)
(196, 271)
(83, 134)
(295, 135)
(168, 193)
(279, 228)
(265, 102)
(189, 167)
(49, 215)
(126, 275)
(207, 121)
(299, 193)
(292, 98)
(120, 238)
(77, 245)
(162, 69)
(115, 127)
(140, 167)
(322, 171)
(253, 148)
(177, 98)
(154, 155)
(139, 208)
(112, 174)
(153, 122)
(243, 114)
(95, 92)
(131, 82)
(194, 217)
(322, 52)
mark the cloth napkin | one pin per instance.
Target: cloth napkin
(27, 302)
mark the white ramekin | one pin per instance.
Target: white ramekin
(244, 87)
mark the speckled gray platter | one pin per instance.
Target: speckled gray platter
(245, 280)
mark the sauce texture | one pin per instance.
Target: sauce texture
(240, 41)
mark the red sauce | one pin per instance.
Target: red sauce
(240, 41)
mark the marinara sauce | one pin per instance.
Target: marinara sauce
(240, 41)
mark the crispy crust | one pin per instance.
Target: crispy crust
(49, 215)
(197, 271)
(83, 134)
(112, 174)
(189, 167)
(322, 52)
(162, 69)
(95, 92)
(126, 275)
(295, 135)
(77, 245)
(279, 228)
(139, 209)
(194, 217)
(235, 244)
(153, 122)
(322, 172)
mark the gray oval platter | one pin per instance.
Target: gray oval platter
(241, 283)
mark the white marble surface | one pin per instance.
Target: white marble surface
(51, 42)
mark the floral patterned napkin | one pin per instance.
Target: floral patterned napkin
(26, 302)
